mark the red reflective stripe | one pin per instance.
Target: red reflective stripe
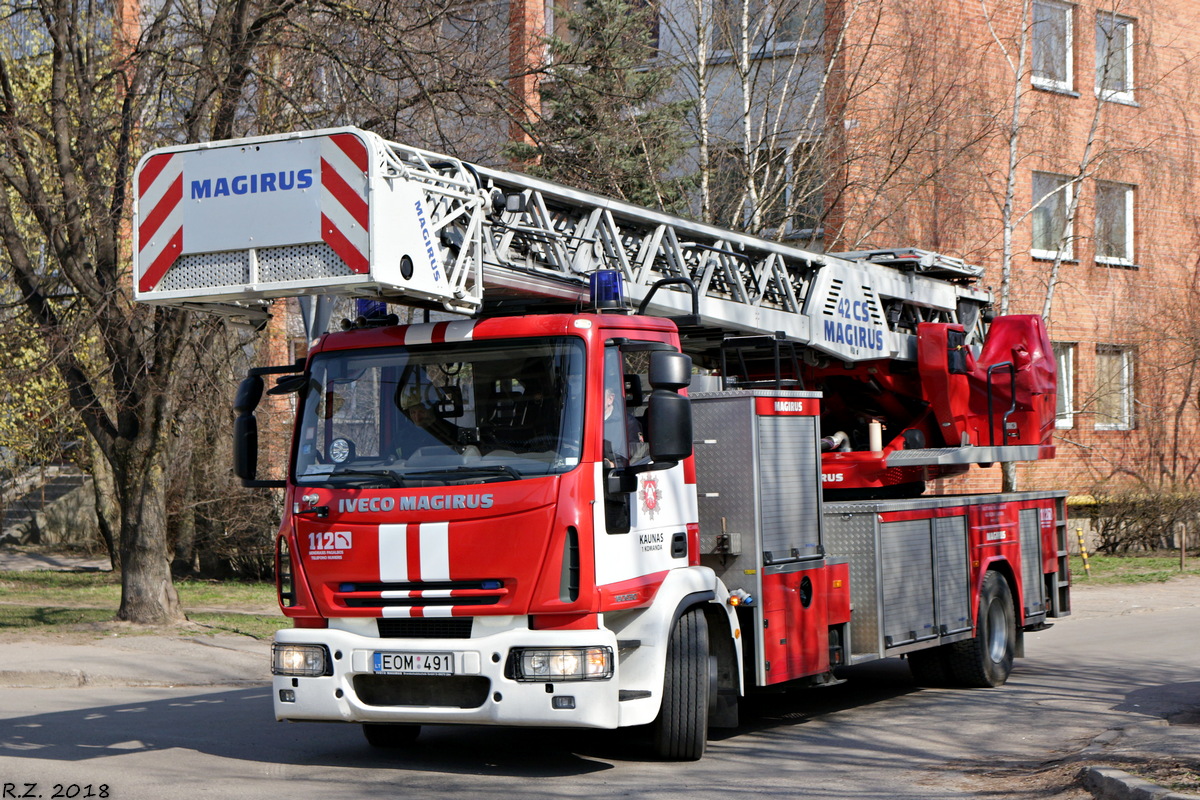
(439, 333)
(166, 258)
(151, 171)
(353, 147)
(161, 211)
(689, 471)
(333, 237)
(414, 553)
(351, 200)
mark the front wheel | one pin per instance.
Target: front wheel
(681, 729)
(987, 659)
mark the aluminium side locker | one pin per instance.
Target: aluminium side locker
(758, 481)
(912, 562)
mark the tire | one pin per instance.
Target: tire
(389, 736)
(681, 730)
(929, 667)
(987, 660)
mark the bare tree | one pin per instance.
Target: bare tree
(84, 88)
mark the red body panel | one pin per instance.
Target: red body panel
(1022, 369)
(994, 541)
(797, 610)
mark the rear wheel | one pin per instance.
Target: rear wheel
(681, 729)
(987, 659)
(380, 734)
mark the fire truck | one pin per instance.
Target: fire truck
(640, 468)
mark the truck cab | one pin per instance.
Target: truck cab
(491, 522)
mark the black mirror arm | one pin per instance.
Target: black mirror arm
(623, 480)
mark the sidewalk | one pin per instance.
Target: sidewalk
(117, 654)
(132, 657)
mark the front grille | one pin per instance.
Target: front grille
(419, 594)
(418, 586)
(411, 602)
(432, 628)
(445, 691)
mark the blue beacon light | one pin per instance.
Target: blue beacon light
(607, 288)
(370, 309)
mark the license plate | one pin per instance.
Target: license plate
(414, 663)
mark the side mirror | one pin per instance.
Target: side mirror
(669, 414)
(288, 384)
(245, 433)
(245, 447)
(669, 426)
(245, 428)
(449, 403)
(670, 370)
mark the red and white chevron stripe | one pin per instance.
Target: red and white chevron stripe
(439, 332)
(160, 231)
(415, 553)
(345, 218)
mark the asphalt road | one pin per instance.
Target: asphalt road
(1128, 658)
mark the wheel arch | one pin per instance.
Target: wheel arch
(1004, 568)
(642, 671)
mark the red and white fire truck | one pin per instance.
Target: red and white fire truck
(647, 467)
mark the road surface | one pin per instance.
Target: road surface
(1129, 656)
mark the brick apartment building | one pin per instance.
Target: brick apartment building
(932, 114)
(1101, 150)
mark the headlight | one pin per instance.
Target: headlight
(301, 660)
(563, 664)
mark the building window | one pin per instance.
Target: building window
(1051, 46)
(1114, 223)
(771, 25)
(1114, 58)
(563, 15)
(783, 185)
(796, 199)
(1064, 412)
(1114, 389)
(1052, 198)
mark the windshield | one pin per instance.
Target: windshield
(442, 414)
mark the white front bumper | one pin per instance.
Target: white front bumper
(477, 660)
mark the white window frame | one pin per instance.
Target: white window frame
(767, 156)
(1066, 190)
(789, 192)
(1068, 14)
(1064, 356)
(1124, 95)
(1124, 420)
(767, 46)
(1127, 210)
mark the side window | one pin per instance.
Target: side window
(625, 406)
(617, 419)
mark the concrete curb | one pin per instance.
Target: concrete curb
(1107, 783)
(30, 679)
(89, 661)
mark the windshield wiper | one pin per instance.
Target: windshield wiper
(500, 469)
(362, 475)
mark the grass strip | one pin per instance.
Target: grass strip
(1108, 570)
(41, 619)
